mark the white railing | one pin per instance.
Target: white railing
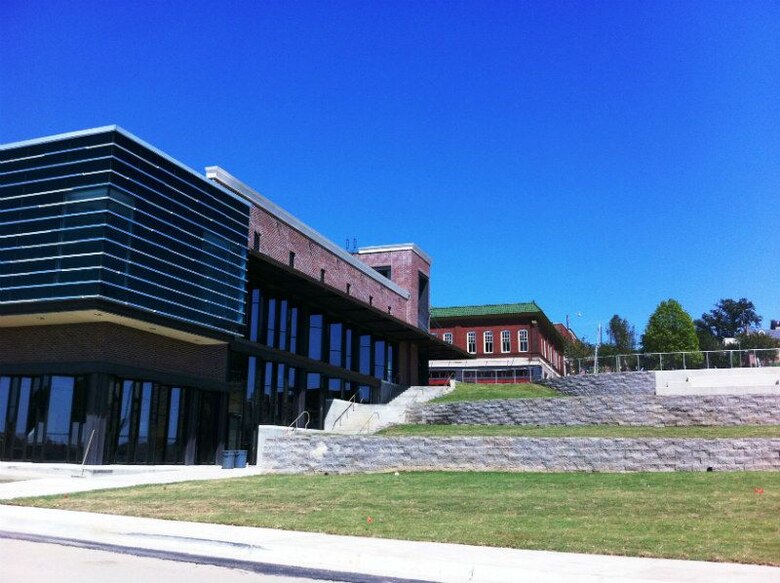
(703, 359)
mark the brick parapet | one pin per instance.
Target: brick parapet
(405, 266)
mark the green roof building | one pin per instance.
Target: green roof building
(511, 343)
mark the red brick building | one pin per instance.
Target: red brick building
(512, 343)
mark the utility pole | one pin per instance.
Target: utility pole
(596, 353)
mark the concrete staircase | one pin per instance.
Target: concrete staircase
(350, 418)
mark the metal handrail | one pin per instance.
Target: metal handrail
(86, 452)
(369, 420)
(305, 425)
(352, 402)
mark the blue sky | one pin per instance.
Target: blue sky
(597, 157)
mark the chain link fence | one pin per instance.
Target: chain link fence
(674, 361)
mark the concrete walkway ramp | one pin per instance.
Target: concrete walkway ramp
(350, 418)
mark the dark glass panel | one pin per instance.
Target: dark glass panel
(59, 417)
(390, 367)
(267, 397)
(283, 321)
(125, 422)
(335, 344)
(292, 394)
(175, 418)
(270, 336)
(199, 191)
(314, 399)
(280, 413)
(315, 336)
(254, 315)
(250, 377)
(36, 152)
(379, 359)
(50, 292)
(365, 354)
(57, 157)
(5, 396)
(294, 330)
(348, 349)
(334, 388)
(142, 445)
(207, 426)
(22, 406)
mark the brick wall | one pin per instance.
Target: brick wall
(405, 267)
(303, 453)
(620, 409)
(111, 343)
(278, 239)
(536, 336)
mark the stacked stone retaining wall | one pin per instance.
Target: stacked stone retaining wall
(620, 409)
(304, 453)
(605, 384)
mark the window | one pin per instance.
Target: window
(487, 341)
(471, 342)
(349, 288)
(506, 343)
(448, 337)
(292, 259)
(256, 245)
(522, 340)
(322, 275)
(384, 270)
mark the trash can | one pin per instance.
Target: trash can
(228, 459)
(240, 458)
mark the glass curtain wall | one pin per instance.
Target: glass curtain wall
(276, 393)
(42, 418)
(150, 423)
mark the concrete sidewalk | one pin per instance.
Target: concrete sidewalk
(29, 479)
(355, 558)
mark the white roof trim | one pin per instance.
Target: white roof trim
(486, 362)
(225, 179)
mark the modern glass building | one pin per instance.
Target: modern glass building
(150, 314)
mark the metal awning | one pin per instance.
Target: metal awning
(273, 276)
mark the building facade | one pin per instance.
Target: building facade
(150, 314)
(509, 343)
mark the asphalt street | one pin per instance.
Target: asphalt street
(35, 562)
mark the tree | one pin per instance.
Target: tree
(577, 348)
(757, 341)
(621, 334)
(707, 340)
(670, 329)
(730, 318)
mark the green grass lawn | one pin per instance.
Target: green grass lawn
(709, 516)
(584, 431)
(478, 392)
